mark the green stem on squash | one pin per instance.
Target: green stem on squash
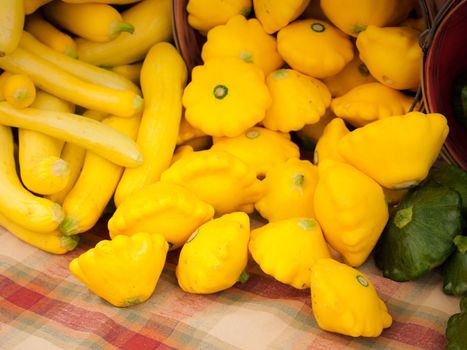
(220, 91)
(403, 217)
(244, 277)
(357, 28)
(461, 243)
(119, 27)
(69, 242)
(318, 27)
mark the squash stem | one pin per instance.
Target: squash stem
(119, 27)
(71, 52)
(60, 168)
(69, 226)
(298, 180)
(461, 243)
(307, 224)
(21, 95)
(69, 242)
(57, 211)
(132, 301)
(357, 28)
(138, 103)
(318, 27)
(220, 91)
(252, 134)
(280, 74)
(245, 11)
(403, 217)
(244, 277)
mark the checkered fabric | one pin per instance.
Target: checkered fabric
(42, 306)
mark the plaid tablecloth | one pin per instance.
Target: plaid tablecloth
(42, 306)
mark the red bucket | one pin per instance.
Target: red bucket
(445, 58)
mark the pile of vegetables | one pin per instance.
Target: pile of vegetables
(103, 115)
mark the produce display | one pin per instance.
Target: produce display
(301, 113)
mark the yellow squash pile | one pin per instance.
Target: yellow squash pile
(185, 166)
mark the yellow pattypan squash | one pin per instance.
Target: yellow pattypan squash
(397, 151)
(393, 55)
(287, 249)
(344, 301)
(297, 99)
(244, 39)
(125, 270)
(218, 178)
(275, 15)
(206, 14)
(369, 102)
(353, 16)
(351, 209)
(310, 133)
(215, 256)
(314, 47)
(353, 74)
(326, 148)
(259, 148)
(225, 97)
(168, 209)
(289, 190)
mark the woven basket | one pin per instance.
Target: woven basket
(444, 44)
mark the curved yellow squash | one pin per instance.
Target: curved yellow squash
(163, 78)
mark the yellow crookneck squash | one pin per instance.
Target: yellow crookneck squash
(50, 36)
(163, 78)
(92, 21)
(152, 21)
(85, 202)
(42, 169)
(74, 155)
(11, 25)
(19, 90)
(17, 204)
(52, 242)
